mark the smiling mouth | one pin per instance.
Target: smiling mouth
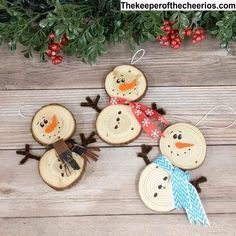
(52, 126)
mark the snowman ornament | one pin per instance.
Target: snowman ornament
(64, 162)
(164, 187)
(123, 120)
(184, 145)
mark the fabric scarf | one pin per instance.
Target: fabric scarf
(143, 115)
(184, 193)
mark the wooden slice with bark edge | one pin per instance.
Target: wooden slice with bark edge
(51, 123)
(116, 124)
(184, 145)
(126, 81)
(54, 174)
(155, 189)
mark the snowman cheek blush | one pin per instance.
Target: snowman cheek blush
(116, 124)
(184, 145)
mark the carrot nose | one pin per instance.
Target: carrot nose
(127, 86)
(52, 126)
(183, 145)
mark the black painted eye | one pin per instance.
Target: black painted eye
(118, 81)
(165, 178)
(180, 136)
(155, 195)
(119, 112)
(45, 121)
(175, 136)
(42, 124)
(123, 80)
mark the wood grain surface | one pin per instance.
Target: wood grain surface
(187, 83)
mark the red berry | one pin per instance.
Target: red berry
(165, 38)
(52, 36)
(168, 29)
(173, 43)
(166, 43)
(172, 36)
(203, 37)
(55, 47)
(53, 57)
(177, 46)
(197, 31)
(194, 41)
(201, 30)
(178, 40)
(64, 40)
(57, 60)
(53, 53)
(198, 39)
(189, 32)
(166, 22)
(49, 52)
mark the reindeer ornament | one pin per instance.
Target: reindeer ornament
(123, 120)
(64, 162)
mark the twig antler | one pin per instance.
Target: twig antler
(91, 103)
(196, 182)
(145, 150)
(26, 154)
(86, 141)
(159, 110)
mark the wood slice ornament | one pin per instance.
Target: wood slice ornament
(126, 81)
(184, 145)
(155, 189)
(116, 124)
(51, 123)
(65, 163)
(54, 172)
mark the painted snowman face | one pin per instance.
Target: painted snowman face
(127, 82)
(116, 124)
(52, 122)
(53, 171)
(155, 188)
(184, 145)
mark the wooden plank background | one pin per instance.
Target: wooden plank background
(186, 82)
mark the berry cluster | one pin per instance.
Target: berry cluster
(172, 37)
(198, 35)
(54, 48)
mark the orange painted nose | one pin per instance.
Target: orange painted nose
(127, 86)
(183, 145)
(52, 126)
